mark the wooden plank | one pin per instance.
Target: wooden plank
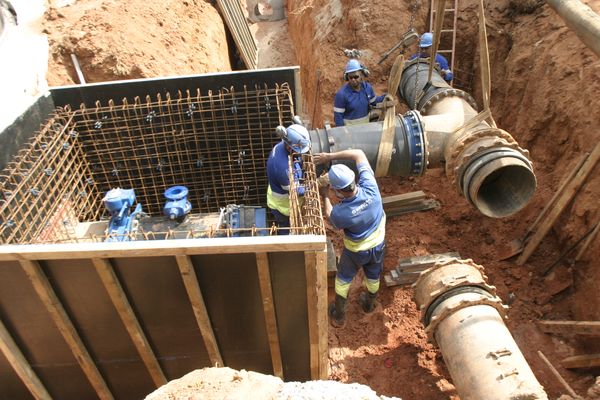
(323, 321)
(550, 204)
(403, 198)
(585, 361)
(316, 278)
(419, 263)
(421, 205)
(570, 327)
(392, 279)
(570, 191)
(232, 245)
(65, 326)
(188, 274)
(558, 376)
(20, 365)
(266, 291)
(587, 242)
(119, 299)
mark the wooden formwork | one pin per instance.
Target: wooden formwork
(81, 318)
(117, 320)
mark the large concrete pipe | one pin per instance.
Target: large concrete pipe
(464, 317)
(485, 163)
(581, 20)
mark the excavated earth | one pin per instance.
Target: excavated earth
(545, 86)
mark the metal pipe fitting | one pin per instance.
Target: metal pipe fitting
(464, 317)
(409, 157)
(485, 163)
(580, 19)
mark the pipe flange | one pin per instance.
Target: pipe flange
(445, 276)
(476, 152)
(434, 96)
(417, 142)
(494, 302)
(471, 168)
(499, 138)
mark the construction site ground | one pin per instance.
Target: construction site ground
(545, 86)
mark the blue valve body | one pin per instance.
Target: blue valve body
(177, 205)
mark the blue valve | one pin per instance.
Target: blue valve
(177, 205)
(118, 203)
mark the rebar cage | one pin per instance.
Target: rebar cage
(216, 144)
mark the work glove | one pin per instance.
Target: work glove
(323, 180)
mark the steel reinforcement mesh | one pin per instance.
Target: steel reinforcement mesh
(216, 144)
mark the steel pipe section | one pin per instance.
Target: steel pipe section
(464, 317)
(580, 19)
(409, 157)
(485, 163)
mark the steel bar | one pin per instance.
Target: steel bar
(215, 143)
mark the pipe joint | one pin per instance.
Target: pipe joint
(416, 140)
(493, 173)
(465, 318)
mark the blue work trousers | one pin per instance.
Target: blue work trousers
(282, 221)
(370, 260)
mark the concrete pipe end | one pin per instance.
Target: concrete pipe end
(499, 184)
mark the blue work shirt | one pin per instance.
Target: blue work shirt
(361, 217)
(442, 62)
(351, 106)
(278, 169)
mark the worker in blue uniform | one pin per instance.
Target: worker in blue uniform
(425, 43)
(360, 214)
(295, 141)
(353, 102)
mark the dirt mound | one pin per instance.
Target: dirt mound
(116, 40)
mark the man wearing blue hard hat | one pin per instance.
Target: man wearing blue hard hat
(353, 102)
(425, 43)
(295, 141)
(360, 214)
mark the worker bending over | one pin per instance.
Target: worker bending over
(360, 214)
(425, 44)
(295, 141)
(353, 102)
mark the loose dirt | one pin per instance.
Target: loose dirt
(544, 92)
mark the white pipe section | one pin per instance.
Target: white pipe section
(580, 19)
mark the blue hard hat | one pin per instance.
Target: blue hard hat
(353, 65)
(297, 138)
(426, 40)
(340, 176)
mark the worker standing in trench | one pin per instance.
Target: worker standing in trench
(353, 102)
(425, 43)
(360, 214)
(294, 141)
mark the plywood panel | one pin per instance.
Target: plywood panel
(40, 341)
(288, 278)
(159, 298)
(231, 292)
(77, 283)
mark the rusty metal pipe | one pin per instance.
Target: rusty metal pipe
(580, 19)
(485, 163)
(464, 317)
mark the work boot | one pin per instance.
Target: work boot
(337, 311)
(367, 301)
